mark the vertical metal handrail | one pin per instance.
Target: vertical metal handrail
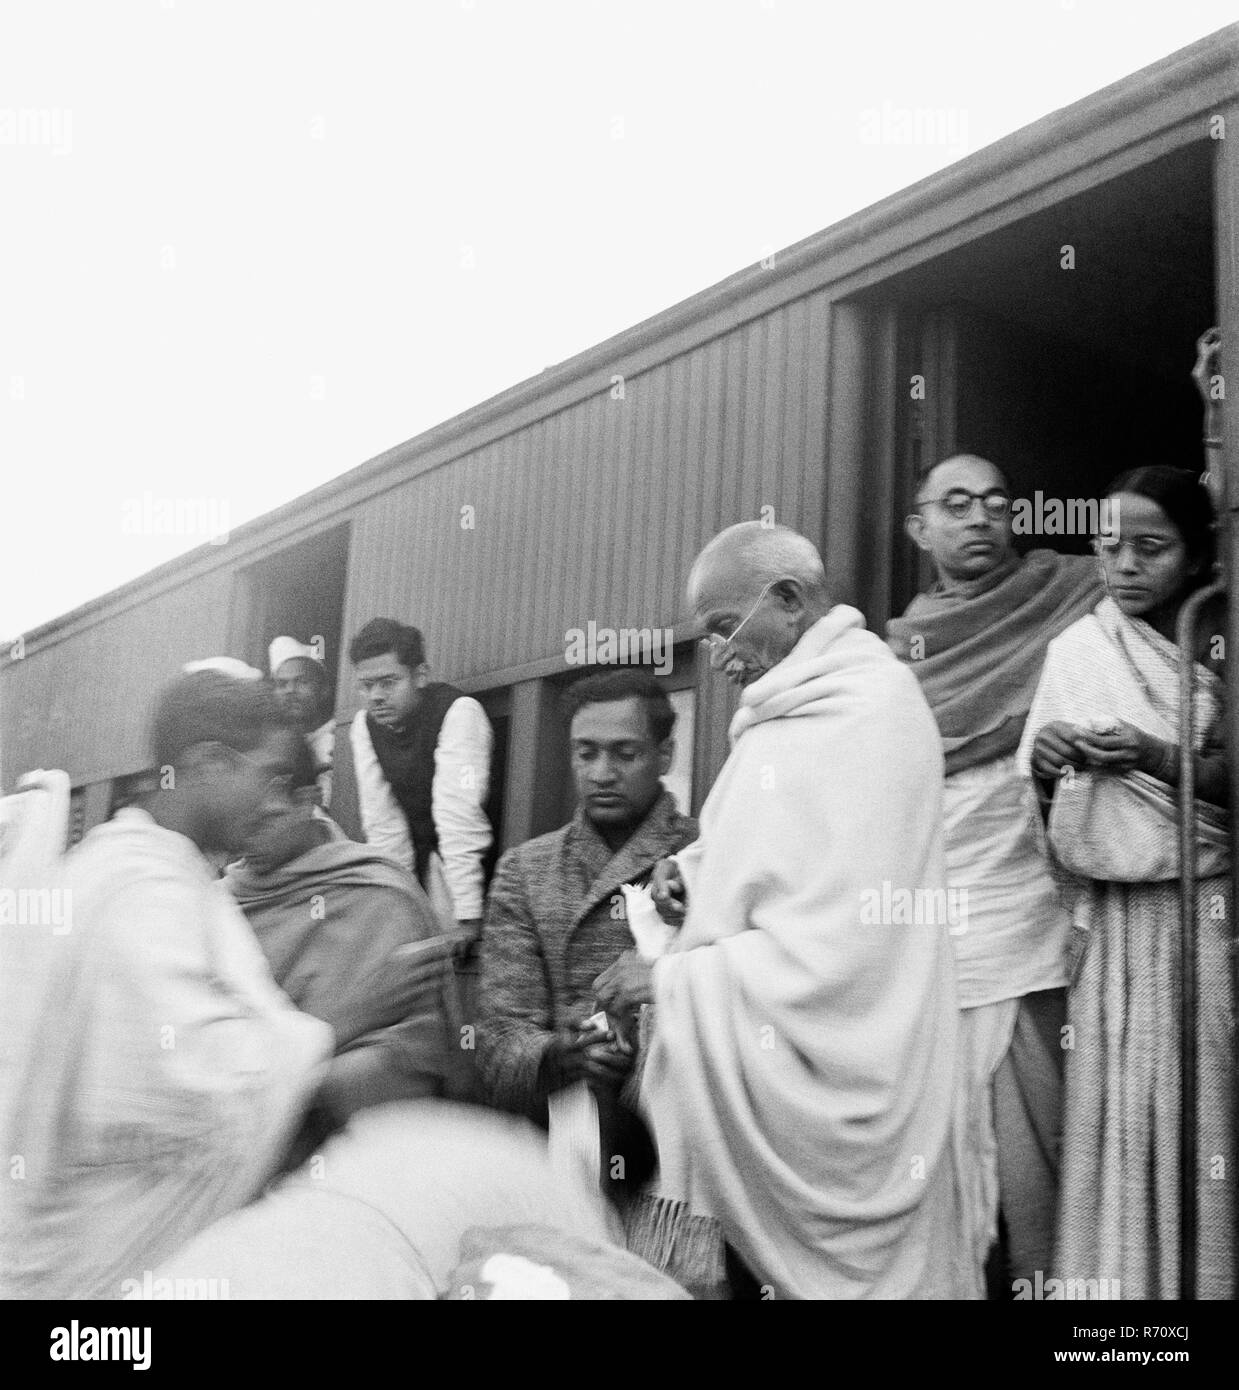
(1223, 452)
(1185, 635)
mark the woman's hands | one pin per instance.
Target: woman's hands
(1123, 749)
(1120, 748)
(1056, 747)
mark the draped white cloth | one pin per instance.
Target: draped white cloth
(1119, 1212)
(1013, 932)
(800, 1078)
(984, 1039)
(382, 1211)
(166, 1075)
(34, 824)
(1108, 666)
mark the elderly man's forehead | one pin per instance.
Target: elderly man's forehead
(722, 582)
(975, 474)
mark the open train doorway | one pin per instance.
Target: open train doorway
(1061, 347)
(297, 592)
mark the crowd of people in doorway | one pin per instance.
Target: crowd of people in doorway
(897, 1016)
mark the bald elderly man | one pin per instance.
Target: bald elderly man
(977, 641)
(798, 1078)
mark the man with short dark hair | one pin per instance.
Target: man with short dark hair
(421, 753)
(977, 640)
(170, 1072)
(555, 918)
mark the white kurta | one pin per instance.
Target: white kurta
(169, 1073)
(322, 748)
(458, 796)
(1012, 937)
(800, 1073)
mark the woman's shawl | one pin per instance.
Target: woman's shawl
(977, 647)
(1109, 667)
(324, 921)
(800, 1071)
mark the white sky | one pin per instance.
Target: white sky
(257, 242)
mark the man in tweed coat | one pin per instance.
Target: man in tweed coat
(555, 916)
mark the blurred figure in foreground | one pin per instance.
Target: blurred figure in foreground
(417, 1200)
(169, 1072)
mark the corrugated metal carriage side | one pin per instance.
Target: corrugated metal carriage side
(583, 494)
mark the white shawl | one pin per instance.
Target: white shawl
(1123, 827)
(799, 1078)
(165, 1077)
(1108, 666)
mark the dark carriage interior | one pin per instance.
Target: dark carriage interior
(299, 592)
(1068, 376)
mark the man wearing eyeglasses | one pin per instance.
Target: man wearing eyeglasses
(977, 640)
(421, 755)
(799, 1072)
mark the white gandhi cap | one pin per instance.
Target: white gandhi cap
(286, 649)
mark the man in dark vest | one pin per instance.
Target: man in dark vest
(421, 756)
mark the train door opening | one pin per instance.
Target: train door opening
(298, 592)
(498, 706)
(1061, 347)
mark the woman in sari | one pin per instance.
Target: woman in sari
(1102, 742)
